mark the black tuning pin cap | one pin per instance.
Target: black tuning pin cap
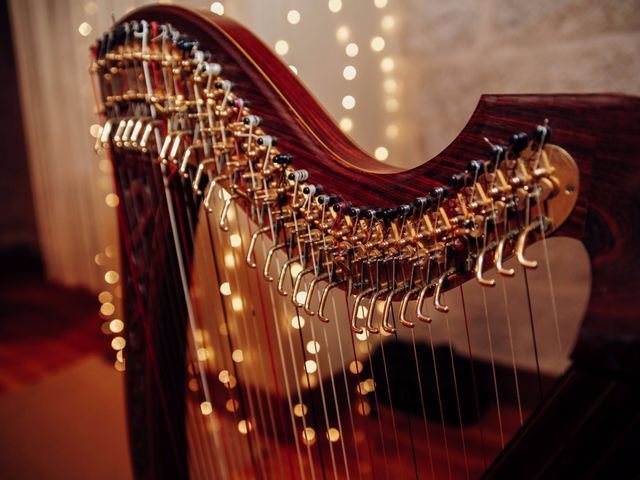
(542, 134)
(458, 181)
(422, 203)
(405, 210)
(283, 159)
(475, 167)
(518, 142)
(341, 206)
(389, 213)
(372, 213)
(439, 193)
(328, 200)
(317, 189)
(496, 153)
(355, 211)
(274, 140)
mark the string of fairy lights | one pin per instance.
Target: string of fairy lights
(354, 49)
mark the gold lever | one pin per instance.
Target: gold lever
(312, 286)
(403, 307)
(252, 245)
(498, 257)
(478, 271)
(225, 212)
(354, 315)
(420, 303)
(386, 326)
(296, 286)
(520, 245)
(323, 299)
(267, 262)
(372, 310)
(283, 275)
(437, 302)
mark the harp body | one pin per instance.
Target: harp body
(217, 359)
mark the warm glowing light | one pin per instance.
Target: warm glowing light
(90, 8)
(377, 44)
(236, 304)
(310, 366)
(335, 5)
(225, 288)
(308, 436)
(244, 426)
(193, 385)
(392, 105)
(343, 33)
(363, 336)
(206, 408)
(95, 130)
(355, 366)
(380, 3)
(104, 166)
(237, 356)
(229, 261)
(363, 408)
(313, 347)
(381, 153)
(104, 297)
(111, 277)
(110, 251)
(301, 297)
(351, 50)
(217, 8)
(224, 376)
(369, 385)
(293, 17)
(349, 72)
(235, 240)
(297, 322)
(120, 356)
(118, 343)
(119, 366)
(346, 124)
(300, 410)
(296, 268)
(99, 259)
(392, 131)
(231, 405)
(223, 330)
(107, 309)
(309, 381)
(85, 29)
(293, 69)
(282, 47)
(348, 102)
(390, 85)
(387, 64)
(112, 200)
(362, 312)
(116, 325)
(333, 434)
(388, 22)
(203, 354)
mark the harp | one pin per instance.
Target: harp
(289, 300)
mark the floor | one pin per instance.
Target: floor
(61, 400)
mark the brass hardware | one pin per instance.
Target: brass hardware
(478, 271)
(437, 302)
(225, 212)
(312, 286)
(521, 243)
(403, 307)
(283, 275)
(296, 287)
(323, 299)
(356, 304)
(372, 310)
(419, 304)
(267, 262)
(386, 326)
(252, 245)
(508, 272)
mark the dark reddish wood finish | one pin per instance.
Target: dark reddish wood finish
(601, 132)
